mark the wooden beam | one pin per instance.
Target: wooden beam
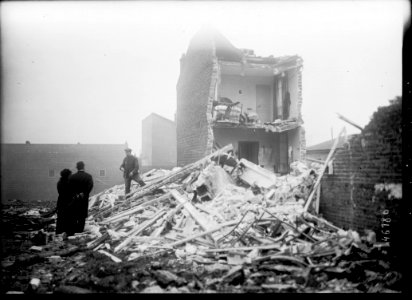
(138, 229)
(310, 216)
(193, 237)
(265, 247)
(330, 155)
(135, 209)
(317, 203)
(114, 258)
(166, 219)
(349, 122)
(194, 213)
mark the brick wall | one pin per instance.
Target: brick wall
(350, 197)
(25, 168)
(193, 92)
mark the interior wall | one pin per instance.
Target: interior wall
(294, 92)
(294, 141)
(231, 84)
(268, 142)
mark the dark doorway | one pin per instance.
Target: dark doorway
(283, 153)
(249, 151)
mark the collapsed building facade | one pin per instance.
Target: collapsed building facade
(227, 95)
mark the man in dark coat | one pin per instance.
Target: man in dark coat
(81, 184)
(130, 168)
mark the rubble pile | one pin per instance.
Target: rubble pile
(242, 217)
(205, 206)
(217, 225)
(25, 225)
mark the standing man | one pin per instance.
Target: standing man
(81, 184)
(130, 168)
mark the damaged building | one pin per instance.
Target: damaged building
(227, 95)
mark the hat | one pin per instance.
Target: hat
(128, 150)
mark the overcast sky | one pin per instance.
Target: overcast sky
(89, 72)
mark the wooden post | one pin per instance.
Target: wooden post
(349, 122)
(325, 165)
(317, 203)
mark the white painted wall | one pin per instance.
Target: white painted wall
(293, 137)
(147, 142)
(231, 84)
(293, 90)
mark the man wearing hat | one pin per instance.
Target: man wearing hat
(130, 168)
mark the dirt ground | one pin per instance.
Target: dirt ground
(68, 267)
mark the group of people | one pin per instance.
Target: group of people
(73, 201)
(74, 191)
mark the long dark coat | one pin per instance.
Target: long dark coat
(81, 182)
(63, 206)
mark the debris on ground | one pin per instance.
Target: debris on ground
(211, 226)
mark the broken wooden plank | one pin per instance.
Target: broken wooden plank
(114, 258)
(135, 209)
(255, 175)
(71, 289)
(190, 238)
(309, 216)
(97, 241)
(94, 198)
(138, 230)
(332, 151)
(192, 210)
(349, 122)
(165, 220)
(280, 257)
(265, 247)
(317, 202)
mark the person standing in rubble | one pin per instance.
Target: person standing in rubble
(130, 168)
(81, 184)
(63, 203)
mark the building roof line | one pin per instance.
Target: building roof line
(157, 115)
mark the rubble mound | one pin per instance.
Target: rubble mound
(212, 227)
